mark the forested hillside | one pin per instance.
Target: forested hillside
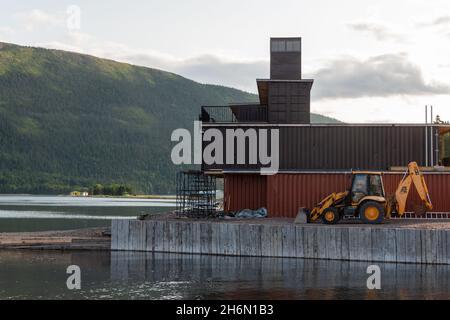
(68, 121)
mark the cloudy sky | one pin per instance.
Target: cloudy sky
(372, 61)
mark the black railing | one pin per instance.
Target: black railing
(217, 114)
(234, 113)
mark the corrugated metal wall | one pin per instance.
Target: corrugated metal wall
(288, 192)
(283, 194)
(337, 147)
(438, 186)
(245, 191)
(347, 147)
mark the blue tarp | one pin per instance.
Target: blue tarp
(247, 213)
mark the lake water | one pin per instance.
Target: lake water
(39, 213)
(121, 275)
(126, 275)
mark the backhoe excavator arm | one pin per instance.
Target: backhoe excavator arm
(412, 175)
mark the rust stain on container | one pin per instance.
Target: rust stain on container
(283, 194)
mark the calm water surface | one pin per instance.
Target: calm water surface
(119, 275)
(124, 275)
(38, 213)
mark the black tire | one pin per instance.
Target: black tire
(330, 216)
(371, 212)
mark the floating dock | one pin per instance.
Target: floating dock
(406, 241)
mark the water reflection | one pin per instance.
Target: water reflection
(223, 277)
(41, 213)
(125, 275)
(68, 201)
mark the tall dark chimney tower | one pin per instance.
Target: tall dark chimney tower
(285, 58)
(286, 95)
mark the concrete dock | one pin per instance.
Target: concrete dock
(408, 241)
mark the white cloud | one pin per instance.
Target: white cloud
(36, 19)
(343, 77)
(380, 30)
(440, 21)
(397, 109)
(378, 76)
(6, 34)
(206, 68)
(7, 30)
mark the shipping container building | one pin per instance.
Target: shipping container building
(316, 159)
(342, 146)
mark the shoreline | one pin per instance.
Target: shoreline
(98, 238)
(142, 196)
(138, 196)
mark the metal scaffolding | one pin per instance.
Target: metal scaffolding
(196, 194)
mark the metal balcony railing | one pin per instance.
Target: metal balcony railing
(234, 113)
(217, 114)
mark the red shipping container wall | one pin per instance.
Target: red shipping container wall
(438, 186)
(286, 193)
(283, 194)
(245, 191)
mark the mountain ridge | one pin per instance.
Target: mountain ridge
(69, 120)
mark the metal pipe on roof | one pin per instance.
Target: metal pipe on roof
(426, 136)
(431, 139)
(436, 144)
(436, 136)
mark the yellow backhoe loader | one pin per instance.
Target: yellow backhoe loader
(367, 201)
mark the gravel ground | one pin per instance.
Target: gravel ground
(441, 224)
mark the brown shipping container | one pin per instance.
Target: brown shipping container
(282, 194)
(340, 147)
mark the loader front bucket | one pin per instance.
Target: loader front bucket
(302, 216)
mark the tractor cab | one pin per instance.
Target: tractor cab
(366, 187)
(365, 184)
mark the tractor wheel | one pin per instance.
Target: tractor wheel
(371, 212)
(330, 216)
